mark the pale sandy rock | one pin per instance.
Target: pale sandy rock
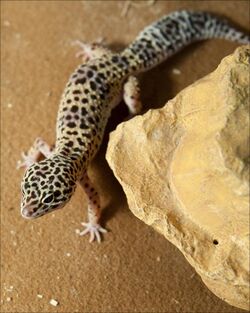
(184, 169)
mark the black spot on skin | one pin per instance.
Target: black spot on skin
(80, 71)
(71, 125)
(69, 144)
(80, 141)
(57, 171)
(60, 178)
(98, 80)
(51, 178)
(86, 91)
(90, 74)
(81, 80)
(74, 108)
(101, 75)
(76, 98)
(57, 193)
(93, 97)
(83, 126)
(93, 85)
(34, 178)
(102, 65)
(90, 119)
(45, 168)
(125, 60)
(115, 59)
(93, 67)
(68, 101)
(57, 184)
(86, 135)
(83, 111)
(40, 174)
(77, 150)
(93, 108)
(66, 150)
(72, 132)
(68, 117)
(84, 100)
(76, 92)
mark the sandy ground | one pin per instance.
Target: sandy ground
(134, 269)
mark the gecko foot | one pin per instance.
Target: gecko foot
(90, 51)
(39, 147)
(94, 230)
(26, 161)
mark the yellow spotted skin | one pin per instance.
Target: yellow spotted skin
(93, 90)
(91, 93)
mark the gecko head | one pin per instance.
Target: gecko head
(47, 186)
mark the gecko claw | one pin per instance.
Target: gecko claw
(94, 230)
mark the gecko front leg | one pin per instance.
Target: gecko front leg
(132, 95)
(90, 51)
(39, 147)
(94, 211)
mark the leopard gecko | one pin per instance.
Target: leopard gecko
(92, 91)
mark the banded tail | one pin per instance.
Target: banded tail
(175, 31)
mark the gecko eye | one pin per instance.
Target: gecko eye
(48, 199)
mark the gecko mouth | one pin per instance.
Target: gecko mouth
(29, 211)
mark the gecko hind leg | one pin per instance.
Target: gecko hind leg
(90, 51)
(132, 95)
(32, 156)
(94, 211)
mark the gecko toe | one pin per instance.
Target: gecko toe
(94, 231)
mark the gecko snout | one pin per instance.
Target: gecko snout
(27, 212)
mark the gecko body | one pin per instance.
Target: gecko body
(92, 91)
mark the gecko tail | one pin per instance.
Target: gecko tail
(173, 32)
(220, 28)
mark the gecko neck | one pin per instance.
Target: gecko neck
(75, 162)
